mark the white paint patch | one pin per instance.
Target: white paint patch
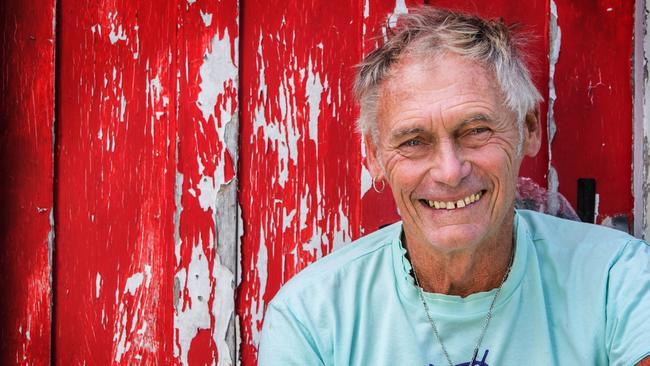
(207, 18)
(122, 107)
(217, 71)
(133, 313)
(341, 234)
(98, 285)
(96, 28)
(366, 177)
(304, 209)
(222, 309)
(133, 282)
(117, 33)
(314, 90)
(194, 314)
(400, 8)
(147, 275)
(208, 195)
(287, 218)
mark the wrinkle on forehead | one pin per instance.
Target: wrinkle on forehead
(404, 85)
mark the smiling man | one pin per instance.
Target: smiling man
(448, 112)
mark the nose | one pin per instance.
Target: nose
(448, 165)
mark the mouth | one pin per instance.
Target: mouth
(452, 205)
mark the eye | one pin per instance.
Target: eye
(476, 136)
(411, 143)
(478, 130)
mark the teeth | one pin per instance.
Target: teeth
(448, 205)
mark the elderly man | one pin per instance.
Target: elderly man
(448, 111)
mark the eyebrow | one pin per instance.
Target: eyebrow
(476, 117)
(406, 132)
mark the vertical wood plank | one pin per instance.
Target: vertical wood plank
(593, 111)
(299, 152)
(116, 183)
(205, 223)
(26, 165)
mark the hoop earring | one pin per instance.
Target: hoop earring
(374, 185)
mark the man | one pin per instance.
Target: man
(448, 111)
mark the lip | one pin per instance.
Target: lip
(450, 204)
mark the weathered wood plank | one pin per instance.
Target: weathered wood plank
(593, 110)
(300, 165)
(116, 182)
(26, 165)
(205, 222)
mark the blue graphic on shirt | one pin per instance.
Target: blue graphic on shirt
(476, 362)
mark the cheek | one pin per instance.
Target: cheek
(403, 174)
(497, 161)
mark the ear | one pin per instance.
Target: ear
(372, 162)
(532, 133)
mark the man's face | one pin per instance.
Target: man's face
(447, 140)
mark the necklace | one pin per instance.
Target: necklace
(488, 317)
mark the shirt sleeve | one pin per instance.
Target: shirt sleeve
(285, 341)
(628, 305)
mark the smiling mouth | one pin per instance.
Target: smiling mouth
(451, 205)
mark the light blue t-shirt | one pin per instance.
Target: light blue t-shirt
(577, 294)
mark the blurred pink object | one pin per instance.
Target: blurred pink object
(530, 196)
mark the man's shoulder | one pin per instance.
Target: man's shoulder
(350, 261)
(561, 234)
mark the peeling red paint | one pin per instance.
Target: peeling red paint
(207, 79)
(116, 181)
(299, 150)
(593, 112)
(26, 167)
(148, 161)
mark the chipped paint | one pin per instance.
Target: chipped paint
(297, 121)
(205, 221)
(591, 101)
(115, 187)
(554, 55)
(27, 165)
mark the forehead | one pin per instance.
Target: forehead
(443, 87)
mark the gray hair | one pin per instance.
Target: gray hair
(427, 32)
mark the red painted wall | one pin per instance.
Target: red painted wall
(26, 171)
(206, 152)
(593, 112)
(148, 100)
(300, 167)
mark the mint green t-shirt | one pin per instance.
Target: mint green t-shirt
(577, 294)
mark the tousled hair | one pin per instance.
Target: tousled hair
(425, 33)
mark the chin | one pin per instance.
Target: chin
(447, 239)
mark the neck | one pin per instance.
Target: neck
(463, 272)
